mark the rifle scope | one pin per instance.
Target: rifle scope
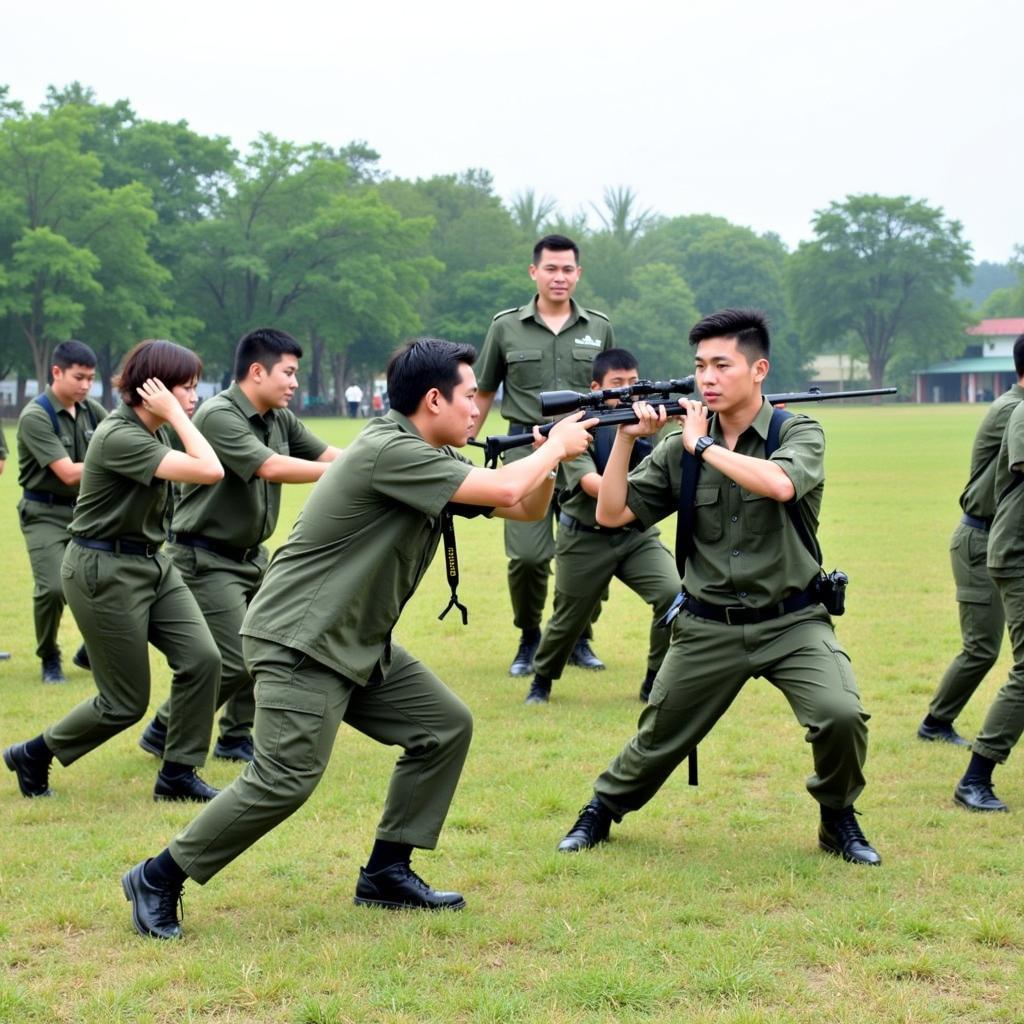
(554, 403)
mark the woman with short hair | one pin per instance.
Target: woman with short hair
(124, 592)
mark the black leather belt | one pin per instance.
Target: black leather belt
(118, 547)
(738, 615)
(195, 540)
(566, 520)
(45, 498)
(978, 524)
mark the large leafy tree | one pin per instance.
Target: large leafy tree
(1008, 301)
(74, 254)
(882, 270)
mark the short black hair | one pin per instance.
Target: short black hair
(266, 346)
(73, 353)
(167, 362)
(555, 243)
(748, 326)
(422, 364)
(612, 359)
(1018, 355)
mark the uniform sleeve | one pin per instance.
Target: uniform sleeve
(410, 471)
(303, 443)
(237, 447)
(3, 443)
(572, 471)
(134, 454)
(36, 434)
(1015, 439)
(490, 366)
(801, 454)
(653, 486)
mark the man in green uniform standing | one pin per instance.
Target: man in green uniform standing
(318, 637)
(588, 555)
(750, 603)
(1004, 722)
(546, 345)
(54, 432)
(218, 532)
(981, 611)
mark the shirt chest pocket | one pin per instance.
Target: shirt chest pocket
(582, 367)
(707, 514)
(526, 369)
(761, 515)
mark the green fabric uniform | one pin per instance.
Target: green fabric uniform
(522, 353)
(746, 554)
(981, 611)
(122, 602)
(3, 444)
(317, 641)
(586, 559)
(44, 512)
(1004, 722)
(226, 525)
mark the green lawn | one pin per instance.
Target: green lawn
(712, 904)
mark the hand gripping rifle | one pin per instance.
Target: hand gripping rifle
(657, 392)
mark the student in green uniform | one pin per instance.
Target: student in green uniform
(981, 611)
(54, 431)
(751, 607)
(546, 345)
(218, 532)
(588, 555)
(318, 638)
(123, 590)
(1004, 722)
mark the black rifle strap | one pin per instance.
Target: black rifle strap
(451, 566)
(44, 401)
(1015, 482)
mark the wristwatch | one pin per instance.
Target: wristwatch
(701, 445)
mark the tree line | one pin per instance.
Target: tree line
(115, 228)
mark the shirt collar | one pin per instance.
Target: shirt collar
(761, 423)
(241, 399)
(529, 312)
(403, 421)
(58, 405)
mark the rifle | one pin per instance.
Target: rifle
(554, 403)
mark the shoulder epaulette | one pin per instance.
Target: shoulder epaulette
(504, 312)
(597, 312)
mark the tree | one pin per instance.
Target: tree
(882, 270)
(531, 213)
(654, 324)
(731, 266)
(1008, 301)
(74, 254)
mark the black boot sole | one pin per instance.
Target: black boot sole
(363, 901)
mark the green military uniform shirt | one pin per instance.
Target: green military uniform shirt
(746, 551)
(521, 352)
(979, 496)
(1006, 538)
(3, 444)
(359, 549)
(242, 509)
(118, 499)
(39, 445)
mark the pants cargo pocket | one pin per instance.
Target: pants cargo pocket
(289, 720)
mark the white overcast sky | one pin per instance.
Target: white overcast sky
(761, 112)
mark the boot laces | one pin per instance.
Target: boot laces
(847, 828)
(592, 817)
(170, 902)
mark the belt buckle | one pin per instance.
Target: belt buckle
(739, 609)
(151, 550)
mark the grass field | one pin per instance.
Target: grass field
(710, 905)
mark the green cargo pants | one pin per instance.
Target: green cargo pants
(706, 667)
(981, 623)
(45, 528)
(300, 704)
(123, 603)
(223, 589)
(584, 566)
(1004, 722)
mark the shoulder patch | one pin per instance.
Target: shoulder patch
(597, 312)
(505, 312)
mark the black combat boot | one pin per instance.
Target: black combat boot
(840, 834)
(592, 827)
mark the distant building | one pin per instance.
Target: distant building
(982, 372)
(834, 371)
